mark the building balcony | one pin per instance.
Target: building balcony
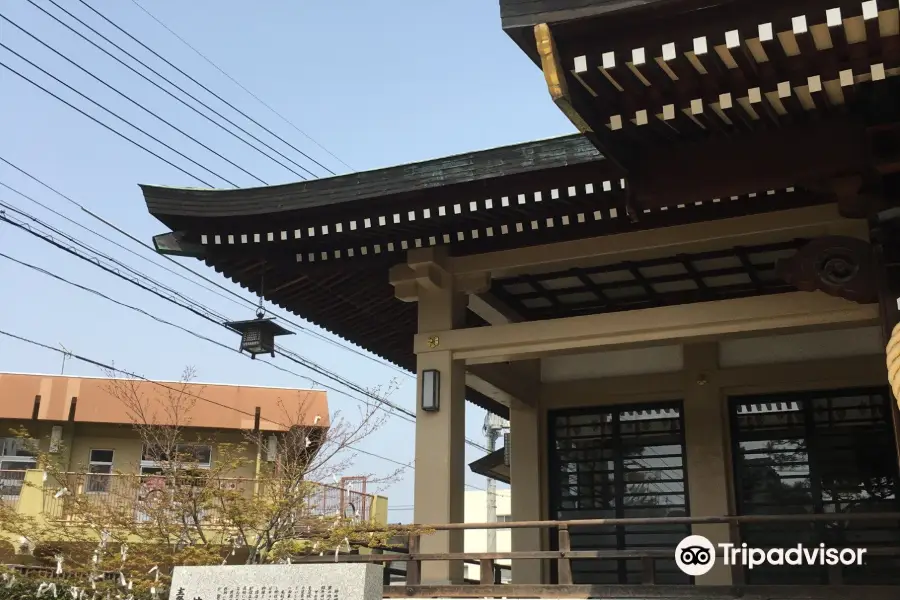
(32, 493)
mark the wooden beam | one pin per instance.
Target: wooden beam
(773, 159)
(807, 222)
(783, 313)
(491, 309)
(513, 379)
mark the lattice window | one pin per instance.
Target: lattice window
(824, 452)
(617, 462)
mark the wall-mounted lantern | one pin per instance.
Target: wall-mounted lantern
(431, 390)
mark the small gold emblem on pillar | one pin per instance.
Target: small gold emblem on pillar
(434, 341)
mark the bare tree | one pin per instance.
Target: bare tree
(187, 509)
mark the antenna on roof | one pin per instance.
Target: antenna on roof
(66, 354)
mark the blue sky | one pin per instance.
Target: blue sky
(376, 83)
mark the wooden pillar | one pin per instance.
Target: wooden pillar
(440, 436)
(887, 260)
(706, 440)
(526, 485)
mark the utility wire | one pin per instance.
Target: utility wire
(110, 240)
(403, 413)
(197, 311)
(212, 282)
(221, 99)
(99, 122)
(138, 104)
(237, 83)
(95, 103)
(173, 84)
(131, 270)
(113, 369)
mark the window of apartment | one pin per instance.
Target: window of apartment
(100, 469)
(617, 462)
(504, 518)
(15, 451)
(822, 452)
(15, 459)
(194, 455)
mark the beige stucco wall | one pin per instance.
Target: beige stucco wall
(80, 438)
(694, 374)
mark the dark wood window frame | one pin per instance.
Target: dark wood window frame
(619, 483)
(811, 423)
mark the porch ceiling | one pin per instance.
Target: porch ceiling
(682, 279)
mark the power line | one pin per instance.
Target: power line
(168, 258)
(138, 104)
(221, 99)
(410, 416)
(116, 115)
(197, 311)
(113, 369)
(89, 248)
(216, 284)
(99, 122)
(173, 84)
(111, 241)
(236, 82)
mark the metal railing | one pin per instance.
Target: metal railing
(648, 588)
(329, 501)
(11, 483)
(145, 494)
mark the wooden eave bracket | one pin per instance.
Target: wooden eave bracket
(426, 269)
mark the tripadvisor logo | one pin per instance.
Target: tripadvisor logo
(695, 555)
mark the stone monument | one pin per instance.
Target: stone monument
(321, 581)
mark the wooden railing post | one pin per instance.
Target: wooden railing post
(564, 565)
(648, 570)
(413, 564)
(486, 565)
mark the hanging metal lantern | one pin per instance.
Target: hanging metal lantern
(258, 335)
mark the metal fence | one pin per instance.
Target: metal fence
(11, 487)
(142, 496)
(343, 500)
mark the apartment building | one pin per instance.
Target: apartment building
(87, 426)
